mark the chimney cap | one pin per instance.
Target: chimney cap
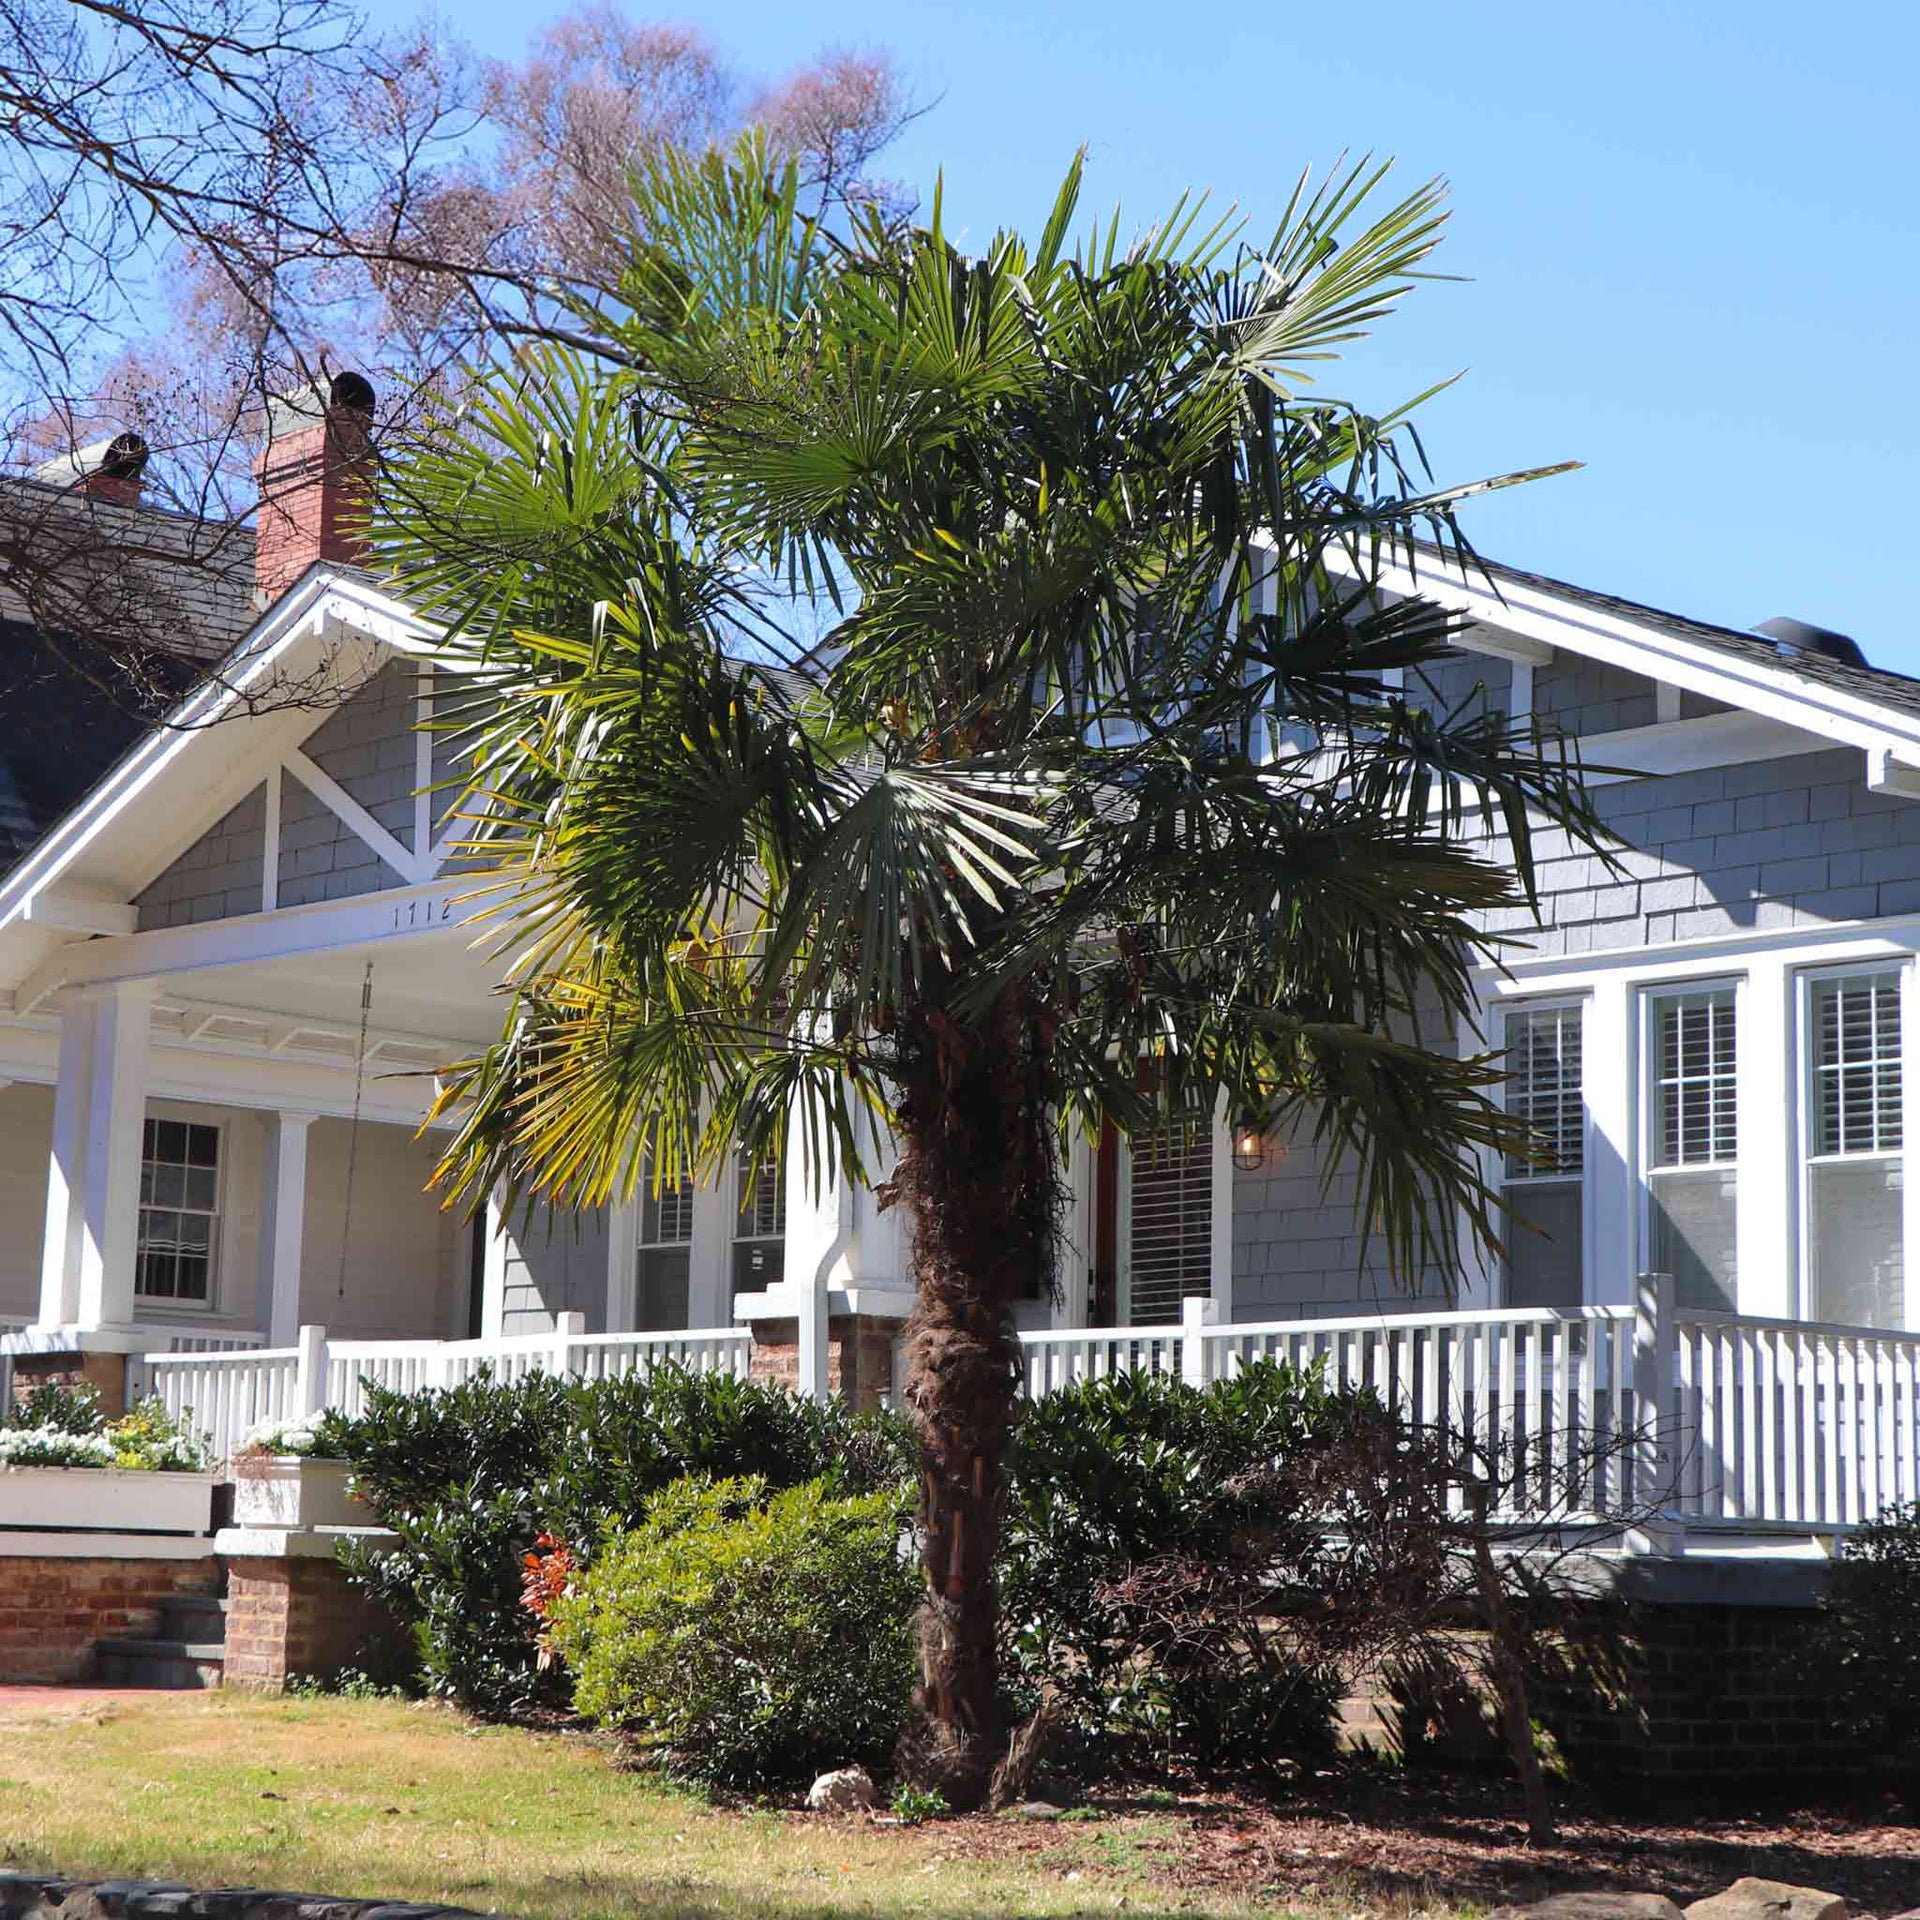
(1792, 636)
(352, 390)
(307, 406)
(122, 456)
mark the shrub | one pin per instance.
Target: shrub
(470, 1477)
(1872, 1640)
(54, 1406)
(748, 1638)
(1146, 1535)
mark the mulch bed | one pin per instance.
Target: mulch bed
(1413, 1840)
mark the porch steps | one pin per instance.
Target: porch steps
(187, 1653)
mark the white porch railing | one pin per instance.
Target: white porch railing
(222, 1395)
(1710, 1421)
(1715, 1420)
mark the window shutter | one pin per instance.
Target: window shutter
(1699, 1080)
(1170, 1232)
(1857, 1107)
(666, 1219)
(1543, 1054)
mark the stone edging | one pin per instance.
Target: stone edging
(31, 1896)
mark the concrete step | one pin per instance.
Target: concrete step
(193, 1616)
(178, 1666)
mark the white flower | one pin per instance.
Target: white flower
(50, 1447)
(284, 1436)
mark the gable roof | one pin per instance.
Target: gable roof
(72, 703)
(1879, 684)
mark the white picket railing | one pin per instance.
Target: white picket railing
(1705, 1420)
(1794, 1423)
(1711, 1420)
(221, 1396)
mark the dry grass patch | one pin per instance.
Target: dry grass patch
(410, 1801)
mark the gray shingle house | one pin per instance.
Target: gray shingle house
(229, 967)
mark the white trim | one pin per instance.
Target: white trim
(1857, 939)
(270, 844)
(109, 1546)
(1767, 1203)
(1643, 1169)
(1537, 613)
(1220, 1253)
(1520, 691)
(322, 785)
(1885, 774)
(64, 912)
(389, 913)
(422, 762)
(282, 1225)
(623, 1266)
(1686, 746)
(324, 607)
(1800, 1116)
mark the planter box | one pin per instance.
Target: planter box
(286, 1491)
(106, 1499)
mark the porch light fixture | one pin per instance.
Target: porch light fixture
(1249, 1146)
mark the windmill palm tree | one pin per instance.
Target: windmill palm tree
(946, 699)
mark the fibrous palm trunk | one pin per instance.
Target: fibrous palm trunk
(978, 1174)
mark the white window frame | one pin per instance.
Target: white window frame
(735, 1185)
(1649, 994)
(1902, 969)
(1580, 1001)
(1767, 964)
(221, 1216)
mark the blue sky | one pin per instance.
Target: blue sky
(1690, 231)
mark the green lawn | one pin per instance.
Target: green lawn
(409, 1801)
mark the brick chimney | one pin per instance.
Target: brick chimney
(315, 476)
(111, 470)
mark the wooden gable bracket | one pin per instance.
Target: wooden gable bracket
(1885, 774)
(413, 868)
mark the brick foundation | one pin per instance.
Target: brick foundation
(53, 1610)
(859, 1356)
(106, 1373)
(1645, 1696)
(1720, 1695)
(298, 1618)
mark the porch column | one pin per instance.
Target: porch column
(67, 1172)
(493, 1273)
(1612, 1192)
(282, 1225)
(93, 1175)
(819, 1240)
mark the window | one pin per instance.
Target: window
(1692, 1145)
(1543, 1184)
(179, 1208)
(665, 1257)
(760, 1221)
(1169, 1220)
(1854, 1160)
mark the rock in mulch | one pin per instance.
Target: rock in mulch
(1594, 1905)
(1769, 1900)
(1035, 1810)
(849, 1790)
(31, 1896)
